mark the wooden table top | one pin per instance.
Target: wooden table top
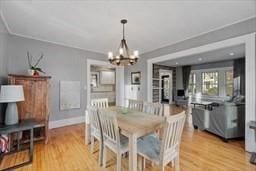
(137, 123)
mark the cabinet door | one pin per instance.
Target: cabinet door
(40, 98)
(26, 108)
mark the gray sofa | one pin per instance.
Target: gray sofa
(226, 120)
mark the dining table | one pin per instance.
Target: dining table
(133, 124)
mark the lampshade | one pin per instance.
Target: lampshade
(11, 93)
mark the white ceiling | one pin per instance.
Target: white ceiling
(94, 25)
(212, 56)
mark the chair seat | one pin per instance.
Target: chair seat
(123, 144)
(149, 147)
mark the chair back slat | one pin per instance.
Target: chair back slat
(100, 103)
(135, 105)
(152, 108)
(94, 118)
(109, 125)
(172, 133)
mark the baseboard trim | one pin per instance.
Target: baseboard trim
(66, 122)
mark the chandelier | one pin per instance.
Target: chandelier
(124, 57)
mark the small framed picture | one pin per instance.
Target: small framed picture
(135, 77)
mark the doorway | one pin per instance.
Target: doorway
(103, 83)
(165, 86)
(165, 95)
(119, 84)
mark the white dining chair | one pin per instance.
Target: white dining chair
(152, 108)
(97, 103)
(163, 152)
(95, 130)
(112, 137)
(135, 105)
(100, 103)
(155, 109)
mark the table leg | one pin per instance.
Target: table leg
(87, 133)
(132, 153)
(31, 146)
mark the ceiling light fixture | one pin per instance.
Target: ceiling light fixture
(177, 63)
(124, 56)
(200, 59)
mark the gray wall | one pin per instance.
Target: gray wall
(3, 61)
(62, 63)
(3, 47)
(245, 27)
(140, 66)
(221, 64)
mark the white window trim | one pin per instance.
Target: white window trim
(221, 82)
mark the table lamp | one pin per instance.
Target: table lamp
(11, 94)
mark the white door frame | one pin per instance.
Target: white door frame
(250, 63)
(119, 80)
(161, 73)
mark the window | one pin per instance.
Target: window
(192, 84)
(210, 83)
(229, 83)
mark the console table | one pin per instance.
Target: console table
(25, 125)
(206, 104)
(252, 125)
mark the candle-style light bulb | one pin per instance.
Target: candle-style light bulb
(110, 55)
(132, 57)
(121, 51)
(136, 53)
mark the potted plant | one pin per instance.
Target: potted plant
(34, 69)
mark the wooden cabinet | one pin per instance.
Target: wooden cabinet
(36, 104)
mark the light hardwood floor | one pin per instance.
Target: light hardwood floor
(200, 151)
